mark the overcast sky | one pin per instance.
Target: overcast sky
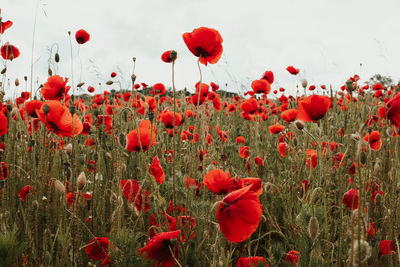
(327, 40)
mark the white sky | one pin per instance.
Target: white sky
(327, 40)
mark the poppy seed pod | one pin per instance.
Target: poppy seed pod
(81, 181)
(299, 124)
(173, 55)
(349, 85)
(72, 110)
(304, 83)
(46, 109)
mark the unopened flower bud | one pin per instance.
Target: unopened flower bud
(80, 84)
(356, 137)
(3, 70)
(68, 148)
(109, 82)
(108, 156)
(50, 72)
(57, 57)
(81, 181)
(313, 228)
(59, 187)
(299, 124)
(16, 82)
(304, 83)
(133, 78)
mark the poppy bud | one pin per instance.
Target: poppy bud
(59, 187)
(304, 83)
(80, 84)
(46, 109)
(356, 137)
(68, 148)
(378, 199)
(16, 82)
(50, 72)
(134, 59)
(108, 155)
(313, 228)
(72, 110)
(57, 57)
(363, 157)
(133, 78)
(3, 70)
(81, 181)
(109, 82)
(299, 124)
(389, 131)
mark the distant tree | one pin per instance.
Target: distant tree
(378, 78)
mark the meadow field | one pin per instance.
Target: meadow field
(154, 175)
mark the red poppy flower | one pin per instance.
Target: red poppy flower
(244, 152)
(141, 142)
(130, 190)
(292, 70)
(283, 148)
(25, 191)
(259, 161)
(4, 25)
(239, 214)
(249, 106)
(293, 257)
(214, 86)
(3, 171)
(268, 76)
(312, 158)
(205, 43)
(158, 89)
(156, 170)
(393, 110)
(387, 247)
(350, 199)
(218, 181)
(55, 88)
(313, 108)
(59, 120)
(158, 249)
(240, 140)
(97, 249)
(252, 262)
(3, 124)
(374, 140)
(81, 36)
(168, 119)
(261, 86)
(276, 128)
(9, 52)
(32, 106)
(25, 95)
(169, 56)
(289, 115)
(254, 183)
